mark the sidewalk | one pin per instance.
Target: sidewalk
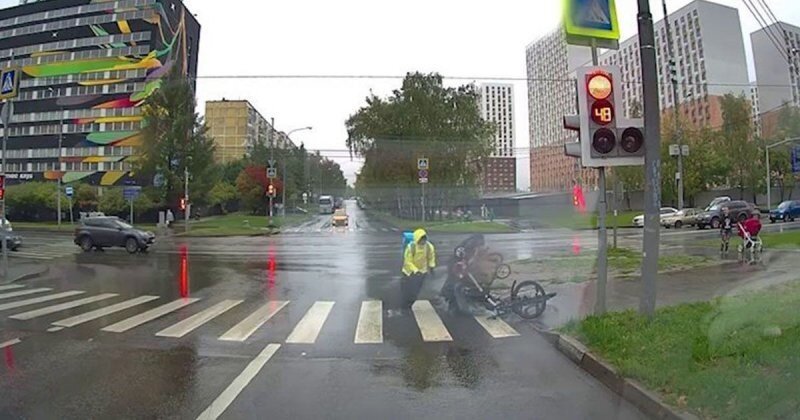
(576, 300)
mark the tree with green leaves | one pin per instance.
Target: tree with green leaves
(742, 154)
(175, 139)
(788, 126)
(221, 195)
(112, 203)
(422, 118)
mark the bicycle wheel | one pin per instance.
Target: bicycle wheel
(502, 271)
(529, 300)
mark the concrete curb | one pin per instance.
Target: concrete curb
(647, 401)
(28, 276)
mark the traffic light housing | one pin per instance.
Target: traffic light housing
(2, 187)
(271, 190)
(183, 204)
(606, 138)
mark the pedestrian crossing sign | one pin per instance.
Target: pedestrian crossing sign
(591, 22)
(9, 83)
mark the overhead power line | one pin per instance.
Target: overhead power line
(766, 27)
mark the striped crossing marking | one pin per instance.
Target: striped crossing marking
(369, 329)
(148, 316)
(249, 325)
(24, 292)
(221, 403)
(99, 313)
(430, 325)
(61, 307)
(11, 286)
(307, 330)
(10, 343)
(195, 321)
(41, 299)
(496, 327)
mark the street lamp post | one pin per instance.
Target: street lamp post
(283, 190)
(769, 174)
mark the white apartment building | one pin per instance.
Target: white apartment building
(709, 62)
(497, 107)
(755, 110)
(777, 66)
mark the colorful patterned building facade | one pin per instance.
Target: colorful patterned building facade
(88, 68)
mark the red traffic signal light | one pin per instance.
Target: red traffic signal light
(2, 187)
(271, 190)
(183, 203)
(599, 86)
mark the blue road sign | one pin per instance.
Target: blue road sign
(591, 23)
(131, 193)
(796, 159)
(69, 191)
(9, 83)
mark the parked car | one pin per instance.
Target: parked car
(685, 217)
(739, 211)
(340, 218)
(13, 242)
(787, 210)
(102, 232)
(638, 221)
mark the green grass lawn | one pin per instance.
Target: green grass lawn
(789, 239)
(237, 224)
(65, 226)
(445, 226)
(736, 357)
(574, 220)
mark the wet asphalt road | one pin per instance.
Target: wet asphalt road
(82, 371)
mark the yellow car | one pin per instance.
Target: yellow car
(340, 218)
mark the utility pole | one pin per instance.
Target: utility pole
(602, 232)
(186, 197)
(271, 161)
(60, 141)
(8, 111)
(652, 159)
(673, 70)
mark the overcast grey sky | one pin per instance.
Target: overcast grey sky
(366, 37)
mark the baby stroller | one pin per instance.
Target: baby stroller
(751, 247)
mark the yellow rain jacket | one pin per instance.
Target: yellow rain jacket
(418, 258)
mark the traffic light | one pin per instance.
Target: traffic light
(2, 187)
(183, 204)
(606, 138)
(271, 190)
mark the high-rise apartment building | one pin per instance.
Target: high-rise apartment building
(497, 107)
(709, 61)
(776, 55)
(88, 67)
(755, 109)
(235, 126)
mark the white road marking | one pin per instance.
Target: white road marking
(148, 316)
(99, 313)
(54, 329)
(430, 325)
(195, 321)
(32, 301)
(10, 343)
(249, 325)
(221, 403)
(369, 329)
(61, 307)
(11, 286)
(24, 292)
(496, 327)
(307, 330)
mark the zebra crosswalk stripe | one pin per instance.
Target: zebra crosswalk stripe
(61, 307)
(249, 325)
(41, 299)
(307, 330)
(99, 313)
(195, 321)
(144, 317)
(430, 325)
(11, 286)
(24, 292)
(369, 329)
(10, 343)
(496, 327)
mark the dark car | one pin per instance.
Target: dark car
(787, 210)
(739, 211)
(103, 232)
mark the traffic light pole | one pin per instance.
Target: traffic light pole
(675, 104)
(602, 233)
(6, 123)
(652, 159)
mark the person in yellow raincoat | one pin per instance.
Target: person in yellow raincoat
(419, 259)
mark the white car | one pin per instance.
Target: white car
(638, 221)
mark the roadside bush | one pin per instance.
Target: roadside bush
(31, 201)
(221, 195)
(112, 202)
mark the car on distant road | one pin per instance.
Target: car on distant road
(13, 242)
(786, 211)
(638, 221)
(684, 217)
(739, 210)
(326, 204)
(105, 232)
(340, 218)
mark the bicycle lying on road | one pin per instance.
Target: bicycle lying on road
(526, 299)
